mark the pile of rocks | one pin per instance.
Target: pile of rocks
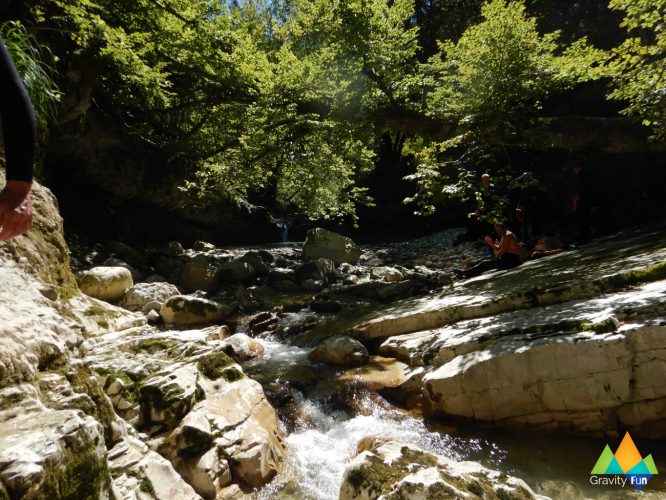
(94, 403)
(206, 284)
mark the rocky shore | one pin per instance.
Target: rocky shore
(147, 373)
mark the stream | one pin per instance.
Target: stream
(325, 439)
(326, 410)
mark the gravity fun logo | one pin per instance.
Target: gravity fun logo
(626, 465)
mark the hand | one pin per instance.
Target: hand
(15, 209)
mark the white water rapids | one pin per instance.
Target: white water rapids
(319, 453)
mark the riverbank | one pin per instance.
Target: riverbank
(231, 373)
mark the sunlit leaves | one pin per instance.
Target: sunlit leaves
(639, 64)
(37, 72)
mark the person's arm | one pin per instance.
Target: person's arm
(501, 249)
(18, 121)
(491, 243)
(20, 138)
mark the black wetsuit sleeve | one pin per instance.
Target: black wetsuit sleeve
(18, 120)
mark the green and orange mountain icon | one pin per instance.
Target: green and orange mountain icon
(626, 460)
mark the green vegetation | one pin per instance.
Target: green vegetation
(217, 365)
(153, 345)
(3, 492)
(649, 274)
(146, 486)
(35, 64)
(289, 102)
(639, 64)
(82, 473)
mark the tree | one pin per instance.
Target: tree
(247, 96)
(639, 64)
(488, 84)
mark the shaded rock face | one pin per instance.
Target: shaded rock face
(141, 205)
(321, 243)
(319, 269)
(200, 273)
(106, 283)
(389, 469)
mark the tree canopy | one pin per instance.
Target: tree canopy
(291, 98)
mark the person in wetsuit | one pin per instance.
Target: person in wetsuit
(19, 130)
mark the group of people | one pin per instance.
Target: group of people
(522, 208)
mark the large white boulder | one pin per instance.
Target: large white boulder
(106, 283)
(320, 243)
(586, 366)
(218, 440)
(150, 296)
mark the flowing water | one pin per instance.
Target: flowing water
(322, 437)
(321, 447)
(325, 439)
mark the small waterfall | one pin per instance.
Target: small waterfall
(283, 224)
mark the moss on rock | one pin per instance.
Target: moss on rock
(84, 381)
(82, 475)
(154, 345)
(215, 364)
(648, 274)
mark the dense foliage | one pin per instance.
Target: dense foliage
(290, 100)
(639, 64)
